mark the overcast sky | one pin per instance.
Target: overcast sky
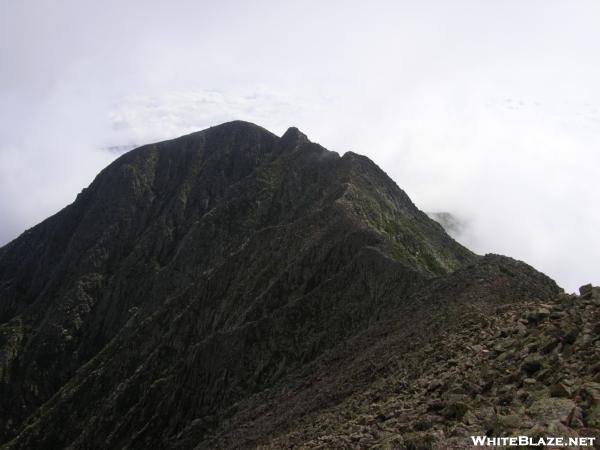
(487, 109)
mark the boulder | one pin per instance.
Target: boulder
(538, 315)
(547, 410)
(455, 410)
(560, 390)
(586, 290)
(532, 364)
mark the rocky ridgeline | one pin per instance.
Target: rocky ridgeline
(232, 289)
(532, 369)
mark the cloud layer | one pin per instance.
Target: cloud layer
(488, 110)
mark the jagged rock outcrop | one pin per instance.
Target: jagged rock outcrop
(223, 289)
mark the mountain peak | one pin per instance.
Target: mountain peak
(199, 279)
(236, 129)
(293, 138)
(237, 125)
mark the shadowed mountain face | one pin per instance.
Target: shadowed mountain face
(212, 290)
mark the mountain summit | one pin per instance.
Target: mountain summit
(228, 288)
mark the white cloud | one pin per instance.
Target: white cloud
(149, 118)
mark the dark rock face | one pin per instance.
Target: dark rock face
(214, 290)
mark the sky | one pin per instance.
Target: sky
(489, 110)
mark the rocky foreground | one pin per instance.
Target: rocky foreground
(531, 369)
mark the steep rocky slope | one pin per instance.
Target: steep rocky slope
(228, 288)
(529, 369)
